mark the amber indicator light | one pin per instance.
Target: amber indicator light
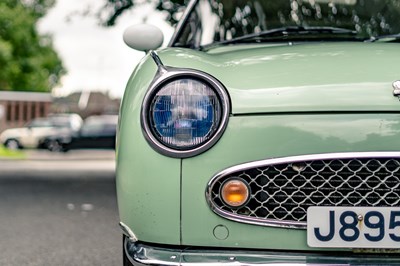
(235, 192)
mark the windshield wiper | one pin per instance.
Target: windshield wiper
(284, 32)
(390, 37)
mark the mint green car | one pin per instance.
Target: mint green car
(266, 133)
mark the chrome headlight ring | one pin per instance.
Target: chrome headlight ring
(184, 112)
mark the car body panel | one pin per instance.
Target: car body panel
(91, 142)
(148, 191)
(279, 136)
(314, 97)
(282, 134)
(28, 137)
(305, 77)
(151, 211)
(34, 134)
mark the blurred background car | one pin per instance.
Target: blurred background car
(67, 124)
(34, 132)
(72, 121)
(97, 132)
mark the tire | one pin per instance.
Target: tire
(54, 146)
(125, 259)
(12, 144)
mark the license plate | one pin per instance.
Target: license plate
(353, 227)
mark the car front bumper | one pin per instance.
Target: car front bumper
(145, 254)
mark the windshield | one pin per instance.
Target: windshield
(215, 21)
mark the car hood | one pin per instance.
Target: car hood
(303, 77)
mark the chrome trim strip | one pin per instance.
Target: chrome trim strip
(161, 69)
(273, 161)
(182, 22)
(156, 59)
(128, 232)
(169, 74)
(140, 254)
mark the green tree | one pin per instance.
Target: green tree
(28, 61)
(112, 9)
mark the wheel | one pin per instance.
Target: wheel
(125, 259)
(12, 144)
(54, 145)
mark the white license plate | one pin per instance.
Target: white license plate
(353, 227)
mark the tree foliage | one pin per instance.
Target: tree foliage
(28, 61)
(112, 9)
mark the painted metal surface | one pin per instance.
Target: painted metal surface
(148, 184)
(164, 203)
(273, 136)
(300, 77)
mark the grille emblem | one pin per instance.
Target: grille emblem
(396, 88)
(298, 167)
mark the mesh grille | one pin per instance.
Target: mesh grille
(284, 191)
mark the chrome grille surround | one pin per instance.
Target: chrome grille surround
(283, 188)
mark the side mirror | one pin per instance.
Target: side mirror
(143, 37)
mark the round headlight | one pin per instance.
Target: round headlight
(185, 115)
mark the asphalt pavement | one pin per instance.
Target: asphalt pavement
(75, 164)
(59, 209)
(74, 155)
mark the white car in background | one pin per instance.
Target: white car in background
(34, 132)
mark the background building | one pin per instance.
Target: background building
(86, 103)
(18, 108)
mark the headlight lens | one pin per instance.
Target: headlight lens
(185, 113)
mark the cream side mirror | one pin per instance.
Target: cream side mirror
(143, 37)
